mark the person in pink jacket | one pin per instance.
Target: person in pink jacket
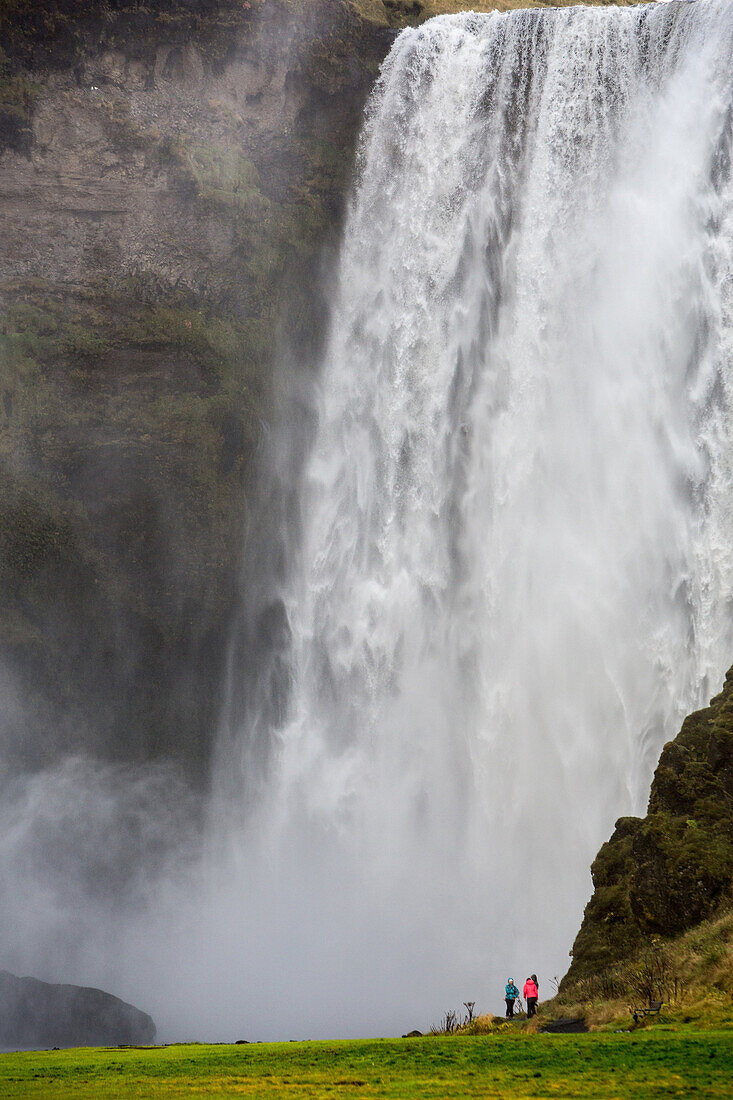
(531, 993)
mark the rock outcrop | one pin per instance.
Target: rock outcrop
(38, 1014)
(662, 874)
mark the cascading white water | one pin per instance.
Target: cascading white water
(516, 569)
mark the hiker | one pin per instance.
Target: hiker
(531, 994)
(510, 995)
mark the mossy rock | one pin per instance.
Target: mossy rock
(665, 873)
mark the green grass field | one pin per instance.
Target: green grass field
(653, 1062)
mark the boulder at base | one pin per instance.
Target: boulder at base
(38, 1014)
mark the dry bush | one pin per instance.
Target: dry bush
(692, 975)
(487, 1025)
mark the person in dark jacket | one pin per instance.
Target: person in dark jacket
(531, 994)
(510, 995)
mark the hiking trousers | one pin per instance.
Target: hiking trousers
(531, 1006)
(509, 1007)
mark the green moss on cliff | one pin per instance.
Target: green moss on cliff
(127, 430)
(224, 177)
(18, 95)
(663, 874)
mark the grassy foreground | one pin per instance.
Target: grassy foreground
(654, 1062)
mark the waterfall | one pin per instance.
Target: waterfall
(515, 570)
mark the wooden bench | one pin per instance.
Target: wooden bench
(652, 1010)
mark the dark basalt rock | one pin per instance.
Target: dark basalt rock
(38, 1014)
(575, 1026)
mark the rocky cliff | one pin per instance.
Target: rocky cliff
(169, 176)
(665, 873)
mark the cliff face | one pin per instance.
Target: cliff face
(168, 179)
(663, 874)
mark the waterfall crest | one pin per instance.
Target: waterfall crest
(516, 565)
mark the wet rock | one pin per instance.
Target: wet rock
(575, 1026)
